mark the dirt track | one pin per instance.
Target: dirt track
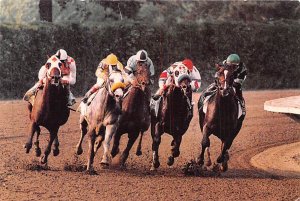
(261, 130)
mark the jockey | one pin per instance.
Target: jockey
(68, 70)
(239, 77)
(140, 57)
(110, 63)
(166, 75)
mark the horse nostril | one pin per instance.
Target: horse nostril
(143, 83)
(184, 87)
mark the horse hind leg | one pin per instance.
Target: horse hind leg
(56, 145)
(83, 128)
(109, 133)
(224, 156)
(204, 144)
(32, 129)
(139, 147)
(53, 135)
(115, 149)
(38, 150)
(132, 138)
(92, 137)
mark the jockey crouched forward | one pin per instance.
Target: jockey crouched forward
(68, 70)
(105, 67)
(240, 75)
(140, 58)
(166, 76)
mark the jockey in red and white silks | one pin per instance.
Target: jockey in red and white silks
(166, 75)
(68, 70)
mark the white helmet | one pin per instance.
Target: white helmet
(141, 55)
(61, 54)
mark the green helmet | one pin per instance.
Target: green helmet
(233, 59)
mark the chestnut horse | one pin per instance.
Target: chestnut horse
(173, 117)
(220, 119)
(101, 118)
(49, 109)
(135, 117)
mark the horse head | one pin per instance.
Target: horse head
(115, 85)
(142, 75)
(182, 78)
(53, 70)
(224, 79)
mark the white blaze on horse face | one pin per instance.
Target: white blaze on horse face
(179, 71)
(54, 63)
(119, 93)
(225, 76)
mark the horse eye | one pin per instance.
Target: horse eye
(48, 65)
(59, 65)
(176, 73)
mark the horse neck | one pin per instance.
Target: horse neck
(135, 98)
(51, 94)
(224, 103)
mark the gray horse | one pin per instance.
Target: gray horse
(101, 117)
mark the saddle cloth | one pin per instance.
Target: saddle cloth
(205, 103)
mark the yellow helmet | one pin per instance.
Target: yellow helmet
(111, 59)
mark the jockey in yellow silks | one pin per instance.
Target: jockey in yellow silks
(105, 67)
(68, 70)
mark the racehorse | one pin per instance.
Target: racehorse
(49, 109)
(101, 118)
(220, 119)
(173, 116)
(135, 117)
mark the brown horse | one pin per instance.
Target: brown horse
(49, 109)
(135, 117)
(220, 119)
(173, 118)
(101, 118)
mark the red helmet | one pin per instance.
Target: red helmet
(188, 63)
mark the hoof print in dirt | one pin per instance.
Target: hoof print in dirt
(193, 169)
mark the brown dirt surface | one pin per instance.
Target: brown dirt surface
(22, 178)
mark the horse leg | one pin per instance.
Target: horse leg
(132, 138)
(53, 135)
(204, 144)
(224, 155)
(109, 132)
(175, 149)
(56, 145)
(98, 142)
(92, 136)
(83, 128)
(115, 149)
(38, 151)
(32, 129)
(139, 147)
(156, 139)
(208, 159)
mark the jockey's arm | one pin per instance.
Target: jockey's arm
(70, 78)
(42, 74)
(196, 79)
(240, 75)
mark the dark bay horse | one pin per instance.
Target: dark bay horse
(101, 118)
(49, 109)
(220, 119)
(135, 117)
(172, 118)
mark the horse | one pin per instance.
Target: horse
(135, 116)
(220, 119)
(49, 109)
(101, 118)
(173, 117)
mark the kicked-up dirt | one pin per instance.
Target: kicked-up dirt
(23, 178)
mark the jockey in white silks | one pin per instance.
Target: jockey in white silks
(166, 75)
(68, 70)
(141, 57)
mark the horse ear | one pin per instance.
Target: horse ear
(218, 66)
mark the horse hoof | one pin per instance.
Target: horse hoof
(224, 167)
(170, 161)
(79, 151)
(156, 164)
(153, 168)
(38, 152)
(217, 169)
(114, 153)
(55, 152)
(43, 160)
(208, 163)
(91, 171)
(104, 165)
(27, 146)
(139, 153)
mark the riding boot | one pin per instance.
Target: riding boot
(70, 97)
(209, 90)
(90, 92)
(239, 94)
(157, 94)
(31, 92)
